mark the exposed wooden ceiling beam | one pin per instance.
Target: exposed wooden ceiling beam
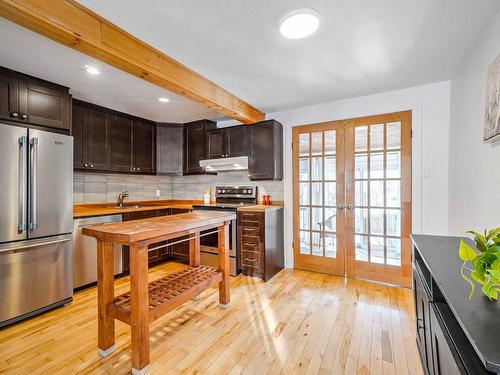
(75, 26)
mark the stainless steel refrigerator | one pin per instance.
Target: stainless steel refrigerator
(36, 215)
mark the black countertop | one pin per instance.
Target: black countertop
(479, 317)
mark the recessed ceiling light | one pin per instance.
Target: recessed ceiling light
(299, 23)
(164, 100)
(92, 70)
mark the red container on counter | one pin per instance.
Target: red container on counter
(266, 200)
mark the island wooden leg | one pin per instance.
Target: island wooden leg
(224, 295)
(105, 295)
(139, 319)
(194, 255)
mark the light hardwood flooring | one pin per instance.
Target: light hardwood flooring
(297, 323)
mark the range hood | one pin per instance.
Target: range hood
(239, 163)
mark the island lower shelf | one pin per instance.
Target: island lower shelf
(169, 292)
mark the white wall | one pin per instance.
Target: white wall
(430, 106)
(474, 165)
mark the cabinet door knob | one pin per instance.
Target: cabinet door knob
(91, 165)
(349, 207)
(340, 207)
(24, 117)
(138, 169)
(14, 114)
(86, 165)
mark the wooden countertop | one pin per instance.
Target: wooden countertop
(101, 209)
(158, 228)
(260, 208)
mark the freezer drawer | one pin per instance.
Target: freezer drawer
(85, 251)
(34, 275)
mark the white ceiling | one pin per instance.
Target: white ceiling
(33, 54)
(361, 47)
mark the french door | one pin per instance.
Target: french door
(352, 197)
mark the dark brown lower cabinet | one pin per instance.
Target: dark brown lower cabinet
(178, 252)
(260, 243)
(443, 346)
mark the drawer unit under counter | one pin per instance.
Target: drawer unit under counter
(260, 242)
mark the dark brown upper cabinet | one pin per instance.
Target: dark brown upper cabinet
(195, 145)
(227, 142)
(265, 157)
(143, 147)
(121, 143)
(110, 141)
(91, 133)
(169, 149)
(33, 101)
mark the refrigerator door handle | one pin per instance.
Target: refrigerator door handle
(19, 246)
(33, 184)
(21, 226)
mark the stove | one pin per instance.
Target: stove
(231, 198)
(227, 198)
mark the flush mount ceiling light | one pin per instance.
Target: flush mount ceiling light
(92, 70)
(299, 23)
(163, 100)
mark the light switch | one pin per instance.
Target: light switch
(157, 192)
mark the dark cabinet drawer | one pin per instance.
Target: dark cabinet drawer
(252, 231)
(252, 216)
(250, 243)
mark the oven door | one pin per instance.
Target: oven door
(209, 247)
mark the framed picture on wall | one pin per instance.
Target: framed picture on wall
(492, 110)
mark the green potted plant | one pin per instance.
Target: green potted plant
(482, 264)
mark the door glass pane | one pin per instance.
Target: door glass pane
(361, 138)
(330, 193)
(304, 193)
(377, 221)
(377, 249)
(317, 244)
(305, 217)
(317, 143)
(393, 135)
(361, 193)
(330, 142)
(304, 169)
(376, 193)
(330, 219)
(393, 251)
(361, 166)
(393, 222)
(317, 193)
(305, 242)
(331, 245)
(330, 168)
(377, 165)
(304, 144)
(317, 218)
(361, 248)
(393, 164)
(377, 137)
(361, 220)
(393, 193)
(317, 168)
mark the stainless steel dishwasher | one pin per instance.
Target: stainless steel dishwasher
(85, 251)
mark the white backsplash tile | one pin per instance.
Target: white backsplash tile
(101, 187)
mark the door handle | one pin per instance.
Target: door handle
(21, 226)
(33, 184)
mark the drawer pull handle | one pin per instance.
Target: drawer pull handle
(249, 260)
(249, 244)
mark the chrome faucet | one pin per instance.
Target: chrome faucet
(121, 197)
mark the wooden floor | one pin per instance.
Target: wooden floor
(297, 323)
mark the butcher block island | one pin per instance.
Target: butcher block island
(145, 302)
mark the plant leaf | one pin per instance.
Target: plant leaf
(493, 233)
(478, 277)
(495, 274)
(490, 291)
(466, 252)
(471, 283)
(479, 240)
